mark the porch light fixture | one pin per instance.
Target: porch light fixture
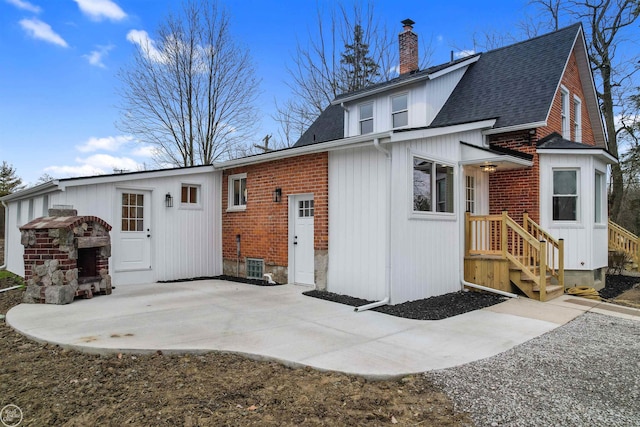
(490, 168)
(277, 195)
(168, 200)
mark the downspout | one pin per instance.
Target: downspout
(385, 301)
(6, 233)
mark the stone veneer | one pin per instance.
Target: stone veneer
(52, 246)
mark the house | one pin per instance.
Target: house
(487, 169)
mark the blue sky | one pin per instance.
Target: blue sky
(58, 85)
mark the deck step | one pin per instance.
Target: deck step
(549, 288)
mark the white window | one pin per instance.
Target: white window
(432, 186)
(237, 192)
(565, 195)
(470, 196)
(577, 119)
(564, 112)
(190, 195)
(599, 197)
(399, 111)
(366, 118)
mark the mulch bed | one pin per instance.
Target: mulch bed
(434, 308)
(617, 284)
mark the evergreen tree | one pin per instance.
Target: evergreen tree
(358, 68)
(9, 182)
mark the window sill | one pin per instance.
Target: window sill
(433, 216)
(237, 208)
(566, 225)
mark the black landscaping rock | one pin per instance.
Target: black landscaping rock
(617, 284)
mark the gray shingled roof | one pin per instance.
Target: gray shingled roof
(514, 84)
(327, 127)
(555, 140)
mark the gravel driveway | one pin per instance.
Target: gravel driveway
(585, 373)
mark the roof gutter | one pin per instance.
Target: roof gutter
(514, 128)
(359, 140)
(33, 191)
(600, 152)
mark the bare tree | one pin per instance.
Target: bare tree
(191, 91)
(318, 72)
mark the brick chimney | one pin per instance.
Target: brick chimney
(408, 41)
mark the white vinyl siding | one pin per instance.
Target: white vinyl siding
(184, 242)
(599, 197)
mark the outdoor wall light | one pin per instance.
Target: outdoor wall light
(489, 168)
(277, 195)
(168, 200)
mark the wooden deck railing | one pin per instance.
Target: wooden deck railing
(621, 239)
(530, 248)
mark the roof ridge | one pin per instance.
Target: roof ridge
(559, 30)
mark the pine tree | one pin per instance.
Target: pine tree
(358, 68)
(9, 182)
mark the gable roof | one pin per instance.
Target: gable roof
(514, 84)
(327, 127)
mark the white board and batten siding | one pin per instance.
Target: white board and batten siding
(358, 186)
(185, 240)
(424, 248)
(585, 241)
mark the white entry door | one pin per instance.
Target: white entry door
(302, 235)
(133, 248)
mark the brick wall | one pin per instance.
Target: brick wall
(519, 190)
(571, 81)
(263, 226)
(516, 190)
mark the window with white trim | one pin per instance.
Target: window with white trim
(564, 112)
(565, 195)
(237, 192)
(470, 193)
(399, 111)
(599, 192)
(366, 118)
(432, 186)
(190, 195)
(577, 119)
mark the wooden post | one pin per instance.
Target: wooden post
(543, 270)
(467, 233)
(525, 221)
(503, 235)
(561, 263)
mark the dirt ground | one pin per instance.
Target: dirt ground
(53, 386)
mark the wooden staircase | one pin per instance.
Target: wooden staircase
(533, 260)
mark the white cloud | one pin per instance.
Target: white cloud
(41, 30)
(98, 164)
(98, 10)
(148, 46)
(145, 151)
(108, 143)
(464, 53)
(95, 57)
(25, 5)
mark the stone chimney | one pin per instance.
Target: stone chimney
(408, 41)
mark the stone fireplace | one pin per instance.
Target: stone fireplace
(65, 256)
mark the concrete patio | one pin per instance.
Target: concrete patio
(279, 323)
